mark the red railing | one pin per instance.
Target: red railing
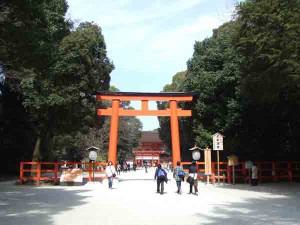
(55, 170)
(267, 171)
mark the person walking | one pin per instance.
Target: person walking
(178, 175)
(110, 173)
(119, 169)
(254, 180)
(161, 177)
(146, 166)
(125, 167)
(193, 175)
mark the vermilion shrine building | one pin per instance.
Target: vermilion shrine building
(150, 148)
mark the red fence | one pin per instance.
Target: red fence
(267, 171)
(43, 171)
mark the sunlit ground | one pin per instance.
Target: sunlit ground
(134, 200)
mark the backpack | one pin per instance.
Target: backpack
(181, 174)
(161, 174)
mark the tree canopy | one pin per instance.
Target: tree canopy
(247, 74)
(50, 70)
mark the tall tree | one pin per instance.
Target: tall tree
(268, 38)
(60, 100)
(30, 32)
(213, 71)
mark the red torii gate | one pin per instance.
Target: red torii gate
(115, 111)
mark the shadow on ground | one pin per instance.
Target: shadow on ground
(35, 205)
(264, 204)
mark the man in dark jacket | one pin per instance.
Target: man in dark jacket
(161, 177)
(194, 177)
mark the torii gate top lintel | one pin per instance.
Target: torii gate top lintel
(150, 96)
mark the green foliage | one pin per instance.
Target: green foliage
(214, 72)
(268, 38)
(82, 67)
(129, 135)
(247, 74)
(53, 70)
(30, 32)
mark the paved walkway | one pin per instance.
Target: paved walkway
(134, 201)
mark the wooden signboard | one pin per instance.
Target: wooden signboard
(233, 160)
(207, 155)
(71, 177)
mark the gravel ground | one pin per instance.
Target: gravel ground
(134, 201)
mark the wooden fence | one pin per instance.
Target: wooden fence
(50, 171)
(267, 171)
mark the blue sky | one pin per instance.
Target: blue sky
(151, 40)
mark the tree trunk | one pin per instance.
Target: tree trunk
(36, 155)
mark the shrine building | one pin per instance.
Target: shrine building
(149, 150)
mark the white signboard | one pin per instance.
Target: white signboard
(217, 142)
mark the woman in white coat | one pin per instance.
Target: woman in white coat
(110, 173)
(254, 180)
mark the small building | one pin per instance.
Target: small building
(149, 150)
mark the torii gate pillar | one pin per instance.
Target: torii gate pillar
(113, 137)
(175, 133)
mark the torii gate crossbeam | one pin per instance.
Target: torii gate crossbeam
(173, 112)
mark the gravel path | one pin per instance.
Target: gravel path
(134, 201)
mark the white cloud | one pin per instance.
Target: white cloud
(150, 40)
(117, 13)
(173, 39)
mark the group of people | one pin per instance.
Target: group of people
(124, 167)
(179, 176)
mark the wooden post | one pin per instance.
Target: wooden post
(244, 172)
(233, 175)
(207, 158)
(55, 173)
(213, 166)
(90, 171)
(21, 172)
(113, 137)
(218, 161)
(228, 174)
(290, 174)
(174, 133)
(274, 174)
(93, 170)
(249, 180)
(38, 178)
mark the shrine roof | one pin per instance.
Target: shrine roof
(150, 136)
